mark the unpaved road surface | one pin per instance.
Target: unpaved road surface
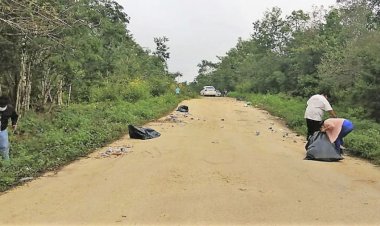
(222, 164)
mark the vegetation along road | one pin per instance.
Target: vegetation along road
(224, 163)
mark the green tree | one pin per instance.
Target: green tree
(162, 50)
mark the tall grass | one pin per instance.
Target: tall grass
(363, 141)
(46, 142)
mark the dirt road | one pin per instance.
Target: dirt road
(222, 164)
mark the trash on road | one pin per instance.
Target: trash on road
(115, 151)
(320, 148)
(183, 108)
(142, 133)
(25, 179)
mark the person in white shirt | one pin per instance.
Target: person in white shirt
(316, 106)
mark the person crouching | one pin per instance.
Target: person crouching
(336, 129)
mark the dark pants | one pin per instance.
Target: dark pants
(312, 126)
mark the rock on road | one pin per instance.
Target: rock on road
(224, 163)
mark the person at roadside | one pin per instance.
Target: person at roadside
(177, 90)
(336, 129)
(316, 106)
(6, 112)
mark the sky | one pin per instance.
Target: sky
(201, 29)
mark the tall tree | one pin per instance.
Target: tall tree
(272, 32)
(162, 50)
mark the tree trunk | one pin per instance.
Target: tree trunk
(24, 87)
(69, 96)
(28, 90)
(60, 93)
(45, 87)
(22, 83)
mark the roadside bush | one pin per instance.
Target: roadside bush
(107, 92)
(137, 90)
(160, 85)
(245, 87)
(130, 91)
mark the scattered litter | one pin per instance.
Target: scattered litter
(222, 119)
(257, 133)
(247, 104)
(172, 118)
(115, 151)
(176, 117)
(25, 179)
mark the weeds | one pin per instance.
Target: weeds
(46, 142)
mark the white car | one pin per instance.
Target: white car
(208, 91)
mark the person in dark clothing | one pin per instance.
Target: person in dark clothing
(7, 112)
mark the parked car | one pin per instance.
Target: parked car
(218, 93)
(208, 91)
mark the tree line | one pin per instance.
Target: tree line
(62, 51)
(335, 50)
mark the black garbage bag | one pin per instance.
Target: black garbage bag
(183, 108)
(320, 148)
(142, 133)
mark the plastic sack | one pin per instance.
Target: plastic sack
(142, 133)
(183, 108)
(320, 148)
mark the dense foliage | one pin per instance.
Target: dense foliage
(77, 79)
(302, 54)
(59, 52)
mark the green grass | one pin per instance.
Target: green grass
(363, 141)
(47, 142)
